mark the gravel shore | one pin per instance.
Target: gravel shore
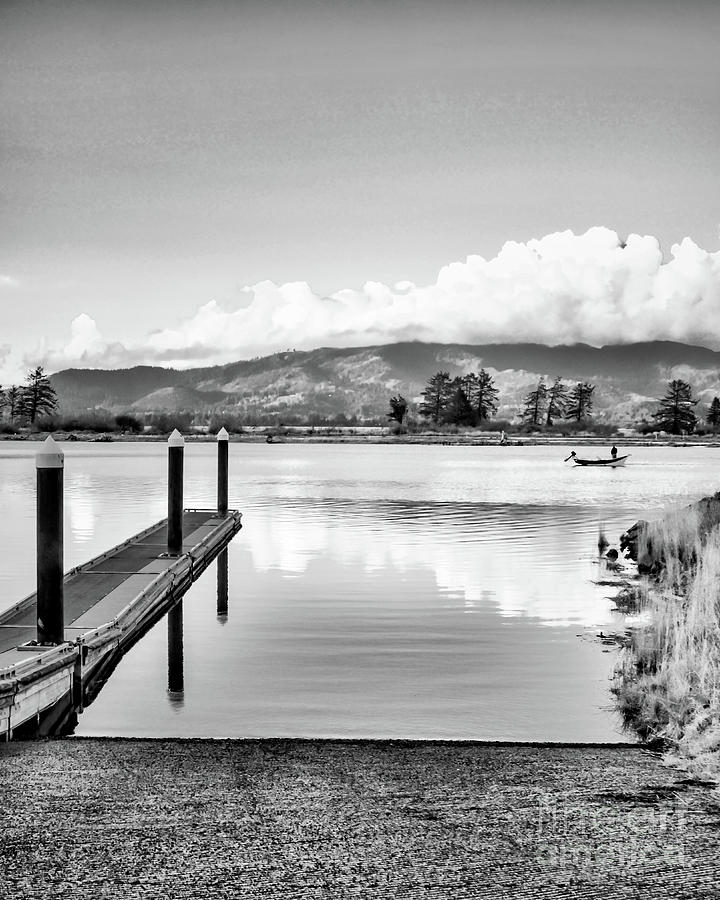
(94, 818)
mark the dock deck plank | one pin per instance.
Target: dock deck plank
(110, 605)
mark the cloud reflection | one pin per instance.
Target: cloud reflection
(534, 561)
(80, 499)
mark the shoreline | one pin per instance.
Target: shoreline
(366, 742)
(322, 819)
(422, 439)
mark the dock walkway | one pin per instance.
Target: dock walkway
(109, 602)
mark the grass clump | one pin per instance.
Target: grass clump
(632, 598)
(667, 681)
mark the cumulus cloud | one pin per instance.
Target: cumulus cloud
(559, 289)
(87, 348)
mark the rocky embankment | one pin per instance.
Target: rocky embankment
(677, 534)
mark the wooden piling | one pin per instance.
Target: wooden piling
(176, 453)
(222, 476)
(49, 463)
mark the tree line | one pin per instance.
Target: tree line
(546, 403)
(472, 399)
(35, 398)
(467, 400)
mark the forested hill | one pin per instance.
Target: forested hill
(358, 381)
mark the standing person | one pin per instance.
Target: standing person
(613, 452)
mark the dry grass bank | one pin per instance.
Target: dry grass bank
(667, 682)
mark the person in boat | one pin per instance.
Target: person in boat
(572, 455)
(613, 452)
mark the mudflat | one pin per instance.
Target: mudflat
(89, 818)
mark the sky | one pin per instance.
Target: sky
(192, 183)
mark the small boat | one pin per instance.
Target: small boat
(612, 462)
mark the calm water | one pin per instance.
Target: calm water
(376, 591)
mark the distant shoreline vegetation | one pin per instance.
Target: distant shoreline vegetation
(101, 430)
(471, 402)
(102, 422)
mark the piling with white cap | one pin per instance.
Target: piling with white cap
(176, 454)
(50, 463)
(222, 477)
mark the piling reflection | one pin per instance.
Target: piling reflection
(222, 586)
(176, 673)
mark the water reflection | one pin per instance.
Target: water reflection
(386, 591)
(176, 669)
(80, 500)
(516, 559)
(222, 586)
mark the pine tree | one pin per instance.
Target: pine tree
(481, 392)
(459, 410)
(436, 396)
(676, 413)
(580, 402)
(713, 416)
(13, 401)
(38, 395)
(557, 401)
(398, 409)
(534, 405)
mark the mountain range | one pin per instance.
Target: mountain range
(358, 381)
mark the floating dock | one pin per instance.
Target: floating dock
(110, 602)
